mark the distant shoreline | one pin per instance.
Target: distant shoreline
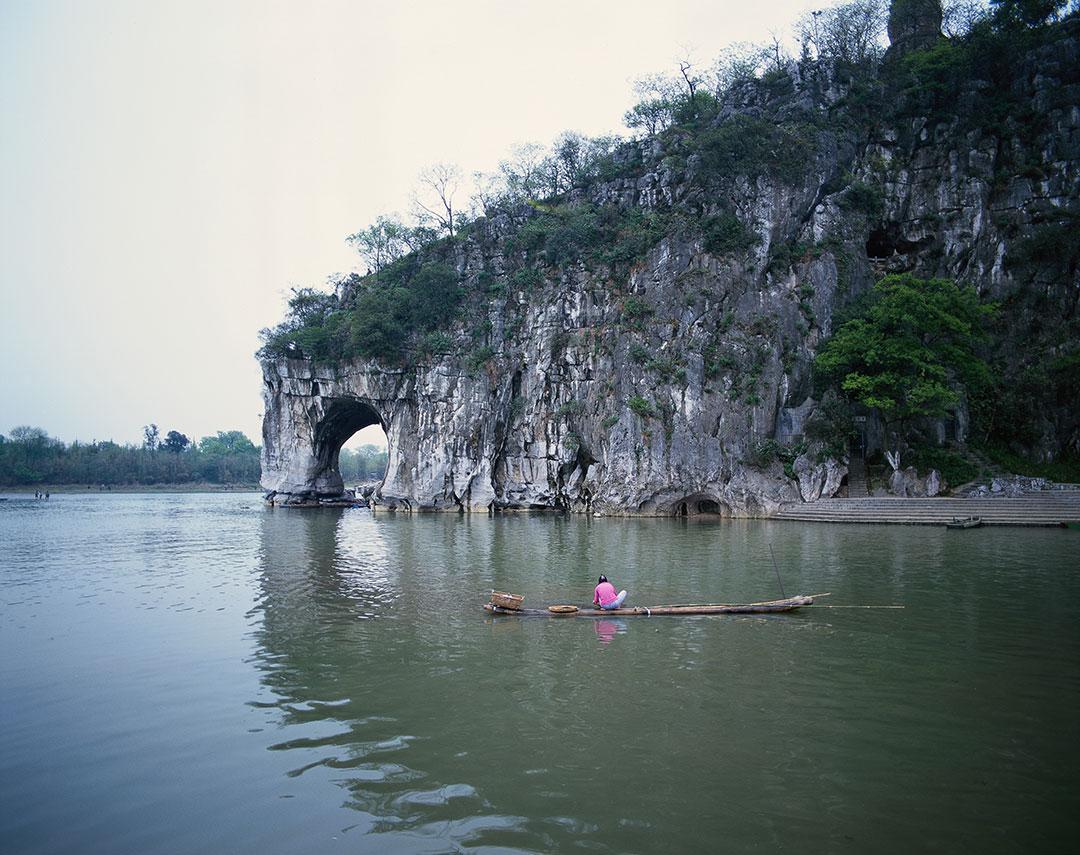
(75, 489)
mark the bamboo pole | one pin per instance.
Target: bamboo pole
(823, 606)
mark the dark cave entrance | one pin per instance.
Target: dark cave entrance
(887, 241)
(694, 506)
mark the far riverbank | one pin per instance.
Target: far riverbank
(69, 489)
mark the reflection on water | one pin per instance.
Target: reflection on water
(501, 737)
(606, 629)
(302, 679)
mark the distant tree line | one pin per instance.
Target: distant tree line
(364, 465)
(29, 456)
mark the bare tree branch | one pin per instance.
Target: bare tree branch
(438, 185)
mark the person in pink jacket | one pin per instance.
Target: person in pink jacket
(605, 597)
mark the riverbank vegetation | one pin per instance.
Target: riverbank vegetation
(29, 457)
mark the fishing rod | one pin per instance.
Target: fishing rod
(777, 571)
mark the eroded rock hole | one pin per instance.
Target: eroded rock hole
(888, 241)
(693, 506)
(351, 445)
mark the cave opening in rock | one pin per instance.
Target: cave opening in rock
(351, 441)
(699, 505)
(888, 241)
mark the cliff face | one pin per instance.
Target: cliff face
(654, 388)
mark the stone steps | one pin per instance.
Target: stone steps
(856, 479)
(1036, 509)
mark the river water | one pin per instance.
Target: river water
(198, 673)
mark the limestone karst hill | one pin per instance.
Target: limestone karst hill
(643, 342)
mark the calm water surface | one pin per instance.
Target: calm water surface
(185, 673)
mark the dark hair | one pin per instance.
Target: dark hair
(603, 578)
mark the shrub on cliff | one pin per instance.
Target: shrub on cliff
(608, 235)
(313, 327)
(750, 146)
(376, 320)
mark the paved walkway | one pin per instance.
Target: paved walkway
(1047, 508)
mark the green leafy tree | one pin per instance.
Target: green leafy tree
(175, 442)
(659, 94)
(911, 351)
(312, 327)
(381, 243)
(1029, 12)
(365, 464)
(29, 435)
(226, 442)
(31, 456)
(151, 436)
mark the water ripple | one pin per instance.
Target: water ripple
(294, 678)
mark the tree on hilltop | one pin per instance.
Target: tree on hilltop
(381, 243)
(434, 202)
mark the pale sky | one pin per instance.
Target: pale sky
(168, 170)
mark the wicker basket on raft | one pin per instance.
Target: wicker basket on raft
(506, 601)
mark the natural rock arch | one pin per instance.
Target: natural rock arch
(343, 418)
(309, 416)
(301, 461)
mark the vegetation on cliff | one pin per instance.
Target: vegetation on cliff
(910, 350)
(758, 117)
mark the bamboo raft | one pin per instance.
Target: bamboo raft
(766, 607)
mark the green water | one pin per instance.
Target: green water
(188, 673)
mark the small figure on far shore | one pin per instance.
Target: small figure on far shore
(605, 597)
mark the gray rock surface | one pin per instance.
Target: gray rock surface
(818, 479)
(908, 484)
(1010, 487)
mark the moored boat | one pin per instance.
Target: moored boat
(964, 522)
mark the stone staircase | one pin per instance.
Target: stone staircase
(857, 484)
(1043, 508)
